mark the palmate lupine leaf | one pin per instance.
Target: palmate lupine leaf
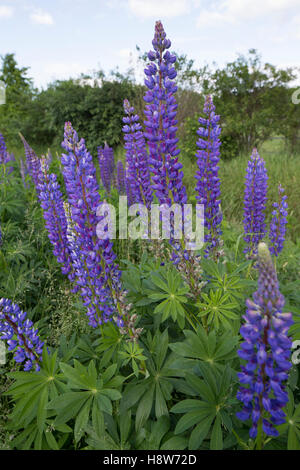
(31, 392)
(88, 396)
(217, 308)
(214, 349)
(154, 391)
(210, 412)
(168, 289)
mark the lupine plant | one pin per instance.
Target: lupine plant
(278, 223)
(255, 203)
(176, 351)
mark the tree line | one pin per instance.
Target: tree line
(253, 98)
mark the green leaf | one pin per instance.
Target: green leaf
(42, 410)
(216, 440)
(82, 420)
(144, 408)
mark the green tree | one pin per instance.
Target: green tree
(19, 94)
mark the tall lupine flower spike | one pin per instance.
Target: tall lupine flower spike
(99, 280)
(3, 150)
(14, 323)
(266, 350)
(32, 162)
(107, 166)
(161, 123)
(207, 176)
(23, 172)
(51, 201)
(136, 157)
(278, 223)
(5, 156)
(255, 203)
(120, 181)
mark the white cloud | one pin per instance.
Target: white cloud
(6, 12)
(235, 11)
(41, 17)
(159, 8)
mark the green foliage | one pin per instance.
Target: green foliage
(207, 415)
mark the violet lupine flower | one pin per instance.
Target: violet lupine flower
(120, 182)
(5, 156)
(278, 223)
(128, 188)
(136, 157)
(100, 279)
(207, 176)
(107, 166)
(23, 172)
(266, 349)
(255, 203)
(161, 123)
(51, 201)
(14, 323)
(32, 162)
(3, 150)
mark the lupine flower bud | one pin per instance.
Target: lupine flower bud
(266, 350)
(255, 202)
(207, 176)
(19, 333)
(278, 223)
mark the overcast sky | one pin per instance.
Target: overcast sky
(62, 38)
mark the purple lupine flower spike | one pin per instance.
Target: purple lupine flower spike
(106, 164)
(99, 279)
(3, 150)
(278, 223)
(161, 123)
(255, 203)
(27, 345)
(136, 157)
(23, 172)
(266, 350)
(120, 182)
(207, 176)
(51, 201)
(32, 162)
(5, 156)
(128, 188)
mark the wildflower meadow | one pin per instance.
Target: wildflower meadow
(113, 338)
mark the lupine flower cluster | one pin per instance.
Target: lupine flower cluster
(207, 176)
(138, 174)
(5, 156)
(99, 278)
(51, 201)
(278, 223)
(120, 179)
(32, 162)
(255, 203)
(266, 350)
(107, 166)
(21, 336)
(161, 123)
